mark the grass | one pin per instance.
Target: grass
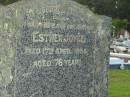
(119, 83)
(128, 52)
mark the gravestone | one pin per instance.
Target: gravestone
(53, 48)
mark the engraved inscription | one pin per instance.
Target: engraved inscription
(50, 51)
(57, 62)
(42, 37)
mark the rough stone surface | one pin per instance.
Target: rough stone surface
(53, 48)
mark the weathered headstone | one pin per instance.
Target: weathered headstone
(58, 47)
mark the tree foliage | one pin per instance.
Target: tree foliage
(119, 24)
(119, 9)
(113, 8)
(6, 2)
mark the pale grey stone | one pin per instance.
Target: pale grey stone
(69, 55)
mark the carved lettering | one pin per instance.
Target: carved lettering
(54, 38)
(56, 62)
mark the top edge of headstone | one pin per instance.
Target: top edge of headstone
(67, 6)
(50, 3)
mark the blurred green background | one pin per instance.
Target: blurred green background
(119, 83)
